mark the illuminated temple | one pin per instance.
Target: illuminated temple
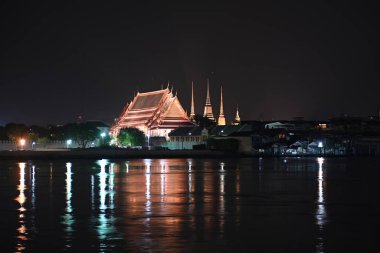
(155, 113)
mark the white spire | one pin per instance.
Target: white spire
(192, 112)
(221, 119)
(208, 108)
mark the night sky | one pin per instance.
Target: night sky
(311, 59)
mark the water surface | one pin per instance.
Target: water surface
(206, 205)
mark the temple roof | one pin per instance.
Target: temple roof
(153, 110)
(148, 99)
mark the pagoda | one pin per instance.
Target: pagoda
(208, 108)
(221, 119)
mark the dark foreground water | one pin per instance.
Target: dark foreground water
(251, 205)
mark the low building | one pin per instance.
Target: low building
(187, 137)
(279, 125)
(368, 146)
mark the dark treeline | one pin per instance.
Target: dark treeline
(80, 132)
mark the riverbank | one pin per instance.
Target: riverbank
(130, 154)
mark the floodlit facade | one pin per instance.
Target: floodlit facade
(155, 113)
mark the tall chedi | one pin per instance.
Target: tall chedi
(221, 119)
(192, 111)
(208, 109)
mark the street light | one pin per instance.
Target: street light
(22, 143)
(33, 143)
(68, 143)
(102, 135)
(320, 145)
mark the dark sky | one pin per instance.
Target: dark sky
(277, 60)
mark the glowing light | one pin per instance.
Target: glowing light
(190, 164)
(320, 144)
(102, 183)
(111, 191)
(105, 225)
(127, 165)
(103, 135)
(68, 185)
(68, 217)
(33, 186)
(22, 143)
(21, 187)
(68, 143)
(147, 163)
(222, 203)
(102, 163)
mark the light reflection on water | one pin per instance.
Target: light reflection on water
(21, 199)
(105, 222)
(68, 218)
(173, 204)
(320, 214)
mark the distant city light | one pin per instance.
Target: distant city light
(68, 143)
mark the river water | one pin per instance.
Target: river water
(190, 205)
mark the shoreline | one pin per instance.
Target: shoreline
(136, 154)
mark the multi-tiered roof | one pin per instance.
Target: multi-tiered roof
(155, 113)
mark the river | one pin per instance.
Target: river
(190, 205)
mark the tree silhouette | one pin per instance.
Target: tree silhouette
(131, 137)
